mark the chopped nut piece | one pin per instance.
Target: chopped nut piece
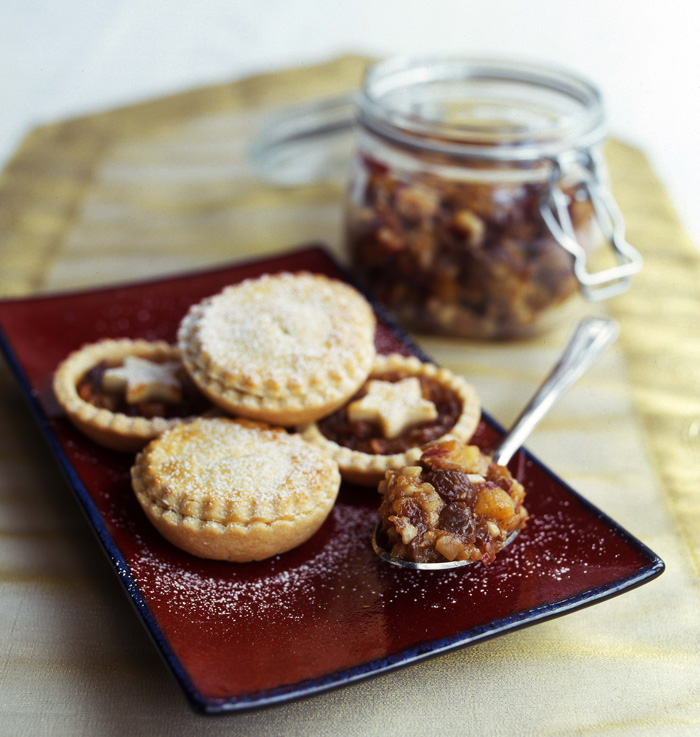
(415, 203)
(492, 527)
(390, 240)
(471, 225)
(412, 471)
(449, 546)
(451, 454)
(407, 531)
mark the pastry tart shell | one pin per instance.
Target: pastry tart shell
(283, 348)
(205, 487)
(113, 430)
(368, 469)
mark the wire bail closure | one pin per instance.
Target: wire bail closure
(554, 209)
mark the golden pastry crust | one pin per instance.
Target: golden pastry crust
(368, 469)
(283, 348)
(114, 430)
(234, 490)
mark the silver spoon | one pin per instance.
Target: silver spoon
(590, 338)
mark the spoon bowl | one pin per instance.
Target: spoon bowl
(380, 550)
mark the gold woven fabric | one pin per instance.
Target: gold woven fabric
(661, 340)
(168, 185)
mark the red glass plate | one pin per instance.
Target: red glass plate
(240, 636)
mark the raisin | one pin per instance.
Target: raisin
(451, 485)
(414, 514)
(457, 518)
(482, 537)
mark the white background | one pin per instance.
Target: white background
(60, 58)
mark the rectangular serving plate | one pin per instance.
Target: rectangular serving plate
(243, 636)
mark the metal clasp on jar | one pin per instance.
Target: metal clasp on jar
(554, 208)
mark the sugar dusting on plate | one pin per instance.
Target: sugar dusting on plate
(276, 585)
(345, 567)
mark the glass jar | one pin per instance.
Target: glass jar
(477, 192)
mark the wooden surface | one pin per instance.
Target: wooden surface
(168, 186)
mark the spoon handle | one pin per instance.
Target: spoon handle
(590, 338)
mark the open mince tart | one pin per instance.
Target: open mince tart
(404, 405)
(234, 490)
(454, 504)
(122, 393)
(284, 348)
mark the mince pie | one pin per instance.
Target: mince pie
(453, 504)
(122, 393)
(285, 348)
(234, 490)
(404, 405)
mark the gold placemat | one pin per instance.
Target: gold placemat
(660, 335)
(168, 185)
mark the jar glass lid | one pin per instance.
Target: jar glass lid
(498, 109)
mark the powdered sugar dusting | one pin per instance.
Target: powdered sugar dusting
(225, 460)
(274, 591)
(345, 569)
(283, 330)
(278, 329)
(252, 473)
(334, 587)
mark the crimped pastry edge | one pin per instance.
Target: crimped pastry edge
(114, 430)
(235, 542)
(367, 469)
(262, 399)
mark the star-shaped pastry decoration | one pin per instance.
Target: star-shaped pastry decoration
(393, 405)
(142, 380)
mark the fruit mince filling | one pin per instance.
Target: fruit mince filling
(367, 437)
(191, 402)
(454, 505)
(467, 258)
